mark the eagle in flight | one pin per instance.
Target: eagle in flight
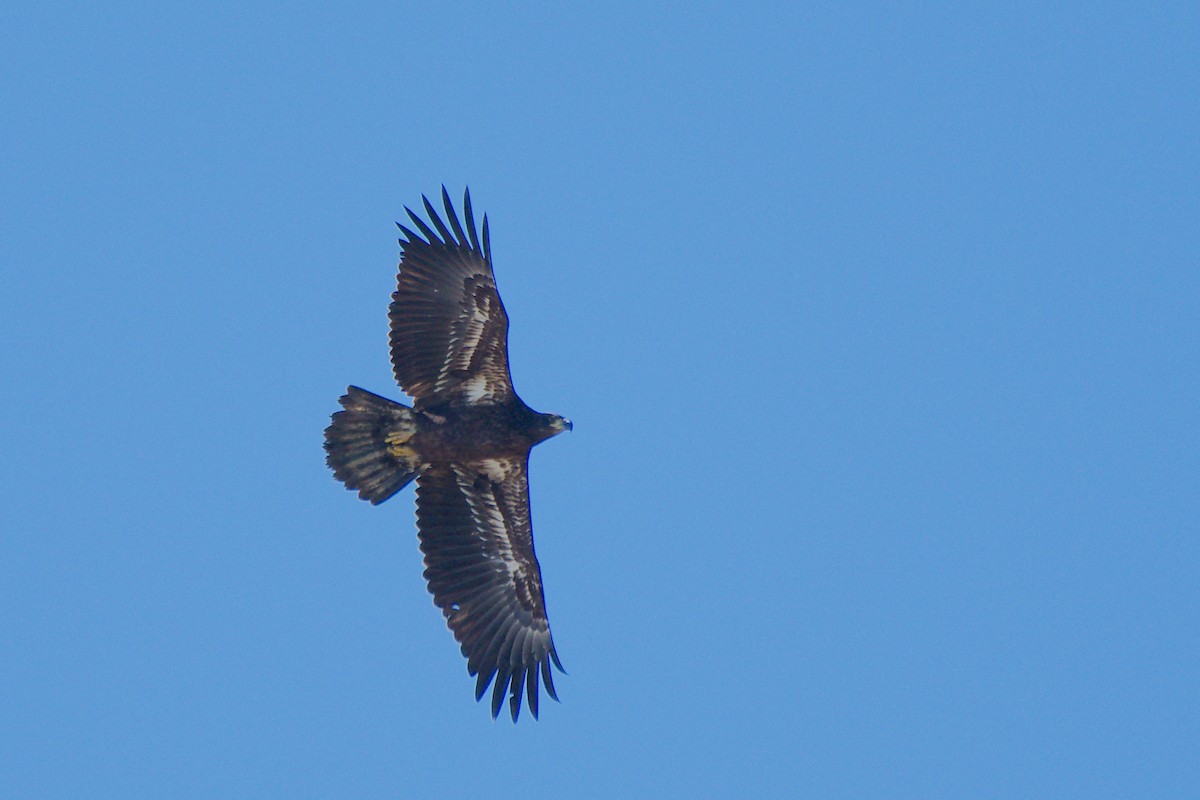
(466, 441)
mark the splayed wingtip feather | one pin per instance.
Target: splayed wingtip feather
(470, 215)
(445, 237)
(430, 236)
(517, 685)
(499, 690)
(548, 681)
(531, 686)
(452, 218)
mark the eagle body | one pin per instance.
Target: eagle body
(466, 442)
(480, 432)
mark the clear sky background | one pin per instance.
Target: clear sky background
(878, 325)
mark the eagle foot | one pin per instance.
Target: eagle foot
(397, 443)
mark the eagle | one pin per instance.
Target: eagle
(466, 441)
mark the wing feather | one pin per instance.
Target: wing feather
(499, 690)
(453, 218)
(483, 682)
(437, 221)
(470, 221)
(483, 573)
(531, 684)
(548, 678)
(426, 231)
(449, 329)
(518, 688)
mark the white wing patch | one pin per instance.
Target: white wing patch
(476, 389)
(495, 470)
(464, 341)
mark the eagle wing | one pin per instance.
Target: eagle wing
(449, 330)
(473, 523)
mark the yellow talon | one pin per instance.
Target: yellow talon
(397, 444)
(398, 437)
(401, 452)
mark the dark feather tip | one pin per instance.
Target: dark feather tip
(430, 236)
(482, 683)
(412, 237)
(470, 216)
(514, 698)
(548, 681)
(445, 235)
(531, 685)
(498, 692)
(452, 218)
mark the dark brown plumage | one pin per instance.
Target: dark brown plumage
(466, 441)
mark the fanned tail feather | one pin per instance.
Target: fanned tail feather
(365, 445)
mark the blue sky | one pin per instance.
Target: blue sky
(877, 323)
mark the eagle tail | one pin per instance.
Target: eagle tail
(366, 445)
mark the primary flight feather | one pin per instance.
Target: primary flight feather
(466, 440)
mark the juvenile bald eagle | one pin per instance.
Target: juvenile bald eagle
(466, 441)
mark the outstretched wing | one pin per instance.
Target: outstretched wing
(449, 330)
(473, 522)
